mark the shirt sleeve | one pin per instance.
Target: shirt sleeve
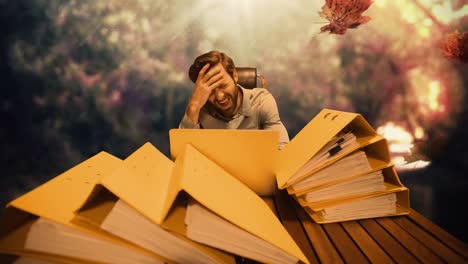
(270, 119)
(188, 124)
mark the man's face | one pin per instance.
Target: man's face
(225, 97)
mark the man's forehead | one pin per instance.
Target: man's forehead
(222, 70)
(218, 66)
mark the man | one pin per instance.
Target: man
(218, 102)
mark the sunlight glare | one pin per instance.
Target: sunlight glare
(433, 96)
(445, 13)
(419, 132)
(424, 32)
(400, 143)
(428, 92)
(381, 3)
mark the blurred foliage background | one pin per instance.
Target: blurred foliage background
(81, 76)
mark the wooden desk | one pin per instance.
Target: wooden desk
(401, 239)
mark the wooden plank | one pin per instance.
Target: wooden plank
(431, 242)
(8, 259)
(326, 251)
(408, 241)
(344, 244)
(388, 243)
(447, 238)
(293, 225)
(368, 246)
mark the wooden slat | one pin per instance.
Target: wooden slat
(401, 239)
(293, 225)
(7, 258)
(429, 241)
(344, 244)
(409, 242)
(368, 246)
(388, 243)
(448, 239)
(326, 251)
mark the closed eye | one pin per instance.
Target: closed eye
(221, 86)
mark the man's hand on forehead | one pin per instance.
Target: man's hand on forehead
(213, 75)
(206, 83)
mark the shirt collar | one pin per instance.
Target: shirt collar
(246, 107)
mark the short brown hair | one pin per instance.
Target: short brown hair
(213, 58)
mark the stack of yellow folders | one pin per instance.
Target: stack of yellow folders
(144, 209)
(204, 205)
(337, 167)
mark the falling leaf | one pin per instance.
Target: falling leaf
(344, 14)
(455, 46)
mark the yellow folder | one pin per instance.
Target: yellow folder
(402, 202)
(246, 154)
(392, 184)
(150, 182)
(57, 200)
(320, 130)
(10, 257)
(377, 155)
